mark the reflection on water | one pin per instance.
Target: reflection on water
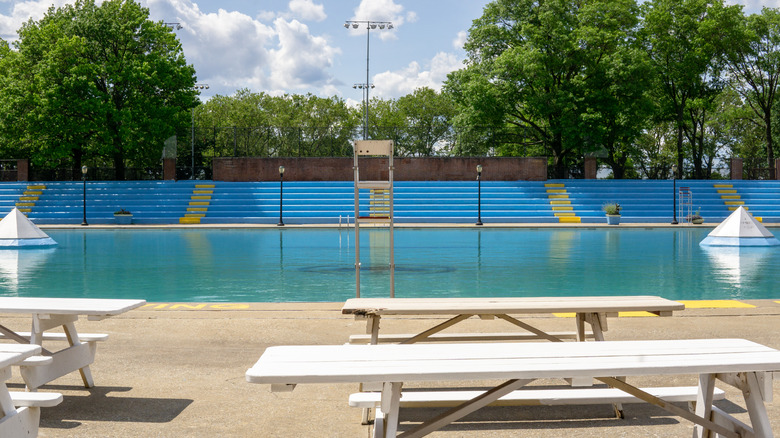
(317, 264)
(18, 265)
(737, 266)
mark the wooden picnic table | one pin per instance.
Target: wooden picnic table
(591, 310)
(17, 421)
(52, 313)
(737, 362)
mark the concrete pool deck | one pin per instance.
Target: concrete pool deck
(177, 370)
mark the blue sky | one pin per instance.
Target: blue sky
(301, 46)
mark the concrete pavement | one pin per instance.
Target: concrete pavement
(177, 370)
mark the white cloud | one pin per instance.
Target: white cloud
(381, 10)
(301, 59)
(754, 6)
(460, 40)
(23, 11)
(401, 82)
(307, 10)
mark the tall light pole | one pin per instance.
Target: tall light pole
(197, 87)
(281, 190)
(479, 194)
(365, 103)
(369, 26)
(674, 194)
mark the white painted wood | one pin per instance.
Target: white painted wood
(509, 305)
(11, 354)
(35, 399)
(56, 336)
(727, 420)
(390, 406)
(532, 397)
(36, 361)
(65, 306)
(22, 423)
(463, 337)
(706, 393)
(755, 406)
(64, 362)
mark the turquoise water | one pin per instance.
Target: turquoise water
(275, 265)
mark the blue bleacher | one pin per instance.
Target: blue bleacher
(165, 202)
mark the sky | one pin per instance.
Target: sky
(301, 46)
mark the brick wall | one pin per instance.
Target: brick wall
(406, 169)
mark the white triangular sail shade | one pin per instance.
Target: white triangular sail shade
(15, 225)
(740, 229)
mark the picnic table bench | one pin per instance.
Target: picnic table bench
(20, 411)
(743, 364)
(55, 313)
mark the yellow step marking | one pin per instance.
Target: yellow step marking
(25, 204)
(716, 304)
(730, 197)
(204, 186)
(557, 208)
(194, 215)
(199, 203)
(734, 208)
(734, 202)
(723, 186)
(201, 197)
(727, 191)
(38, 187)
(569, 220)
(620, 314)
(758, 218)
(197, 209)
(554, 185)
(25, 210)
(556, 190)
(28, 198)
(555, 202)
(33, 192)
(189, 220)
(557, 196)
(564, 213)
(203, 192)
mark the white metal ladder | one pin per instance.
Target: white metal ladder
(381, 195)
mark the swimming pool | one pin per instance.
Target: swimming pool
(278, 265)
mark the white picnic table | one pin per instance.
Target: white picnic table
(592, 310)
(737, 362)
(20, 418)
(52, 313)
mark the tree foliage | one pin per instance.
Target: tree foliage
(95, 84)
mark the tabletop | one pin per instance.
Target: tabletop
(68, 306)
(509, 305)
(428, 362)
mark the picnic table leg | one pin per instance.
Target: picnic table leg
(73, 339)
(390, 405)
(704, 403)
(372, 328)
(755, 406)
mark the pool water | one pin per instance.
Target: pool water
(280, 265)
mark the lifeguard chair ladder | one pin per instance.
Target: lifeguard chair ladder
(375, 148)
(685, 204)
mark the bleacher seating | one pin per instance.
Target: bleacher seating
(554, 201)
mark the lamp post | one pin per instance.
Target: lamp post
(479, 194)
(364, 96)
(84, 170)
(369, 26)
(281, 191)
(197, 87)
(674, 196)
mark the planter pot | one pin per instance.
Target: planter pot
(123, 219)
(698, 221)
(613, 219)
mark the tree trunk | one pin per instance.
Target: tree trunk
(770, 150)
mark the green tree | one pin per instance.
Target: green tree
(544, 75)
(103, 84)
(754, 63)
(683, 39)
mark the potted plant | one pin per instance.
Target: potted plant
(695, 218)
(612, 209)
(123, 217)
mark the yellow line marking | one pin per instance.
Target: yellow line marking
(560, 202)
(716, 304)
(195, 306)
(569, 220)
(203, 192)
(201, 197)
(556, 190)
(554, 185)
(620, 314)
(204, 186)
(557, 196)
(723, 186)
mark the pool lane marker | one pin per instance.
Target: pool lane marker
(689, 304)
